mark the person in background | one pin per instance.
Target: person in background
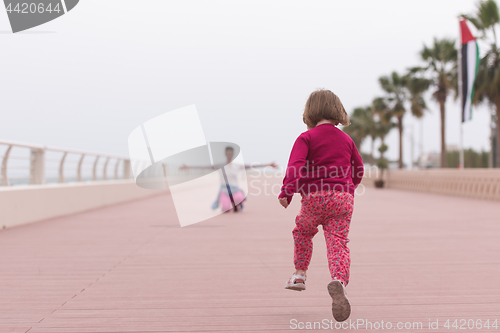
(230, 196)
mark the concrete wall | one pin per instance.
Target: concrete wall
(471, 183)
(30, 203)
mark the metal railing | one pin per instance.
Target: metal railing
(23, 163)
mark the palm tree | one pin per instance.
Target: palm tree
(487, 85)
(360, 126)
(366, 122)
(383, 125)
(395, 87)
(370, 128)
(417, 85)
(383, 121)
(441, 59)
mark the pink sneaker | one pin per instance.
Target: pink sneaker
(341, 309)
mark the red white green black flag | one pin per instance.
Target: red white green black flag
(469, 64)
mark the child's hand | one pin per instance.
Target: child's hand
(273, 165)
(283, 202)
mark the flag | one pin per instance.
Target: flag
(469, 64)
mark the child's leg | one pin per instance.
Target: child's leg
(336, 230)
(306, 226)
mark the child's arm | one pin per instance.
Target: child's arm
(297, 161)
(357, 166)
(251, 166)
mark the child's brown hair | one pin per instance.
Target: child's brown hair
(324, 104)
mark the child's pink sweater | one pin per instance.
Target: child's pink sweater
(322, 158)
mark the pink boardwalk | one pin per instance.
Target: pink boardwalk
(416, 258)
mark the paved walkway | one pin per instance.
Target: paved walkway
(131, 268)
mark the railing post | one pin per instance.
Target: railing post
(126, 169)
(79, 171)
(104, 169)
(94, 170)
(37, 166)
(116, 167)
(3, 175)
(61, 168)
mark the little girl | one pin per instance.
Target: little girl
(325, 168)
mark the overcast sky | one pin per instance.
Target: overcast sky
(87, 79)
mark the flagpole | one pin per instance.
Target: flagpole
(461, 145)
(460, 83)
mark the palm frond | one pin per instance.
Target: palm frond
(417, 69)
(487, 85)
(487, 13)
(385, 84)
(418, 106)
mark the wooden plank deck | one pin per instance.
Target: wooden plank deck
(131, 268)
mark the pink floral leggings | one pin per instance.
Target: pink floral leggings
(332, 209)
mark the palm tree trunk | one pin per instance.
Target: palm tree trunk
(492, 139)
(497, 104)
(372, 159)
(400, 128)
(382, 138)
(444, 159)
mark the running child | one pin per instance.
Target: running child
(325, 168)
